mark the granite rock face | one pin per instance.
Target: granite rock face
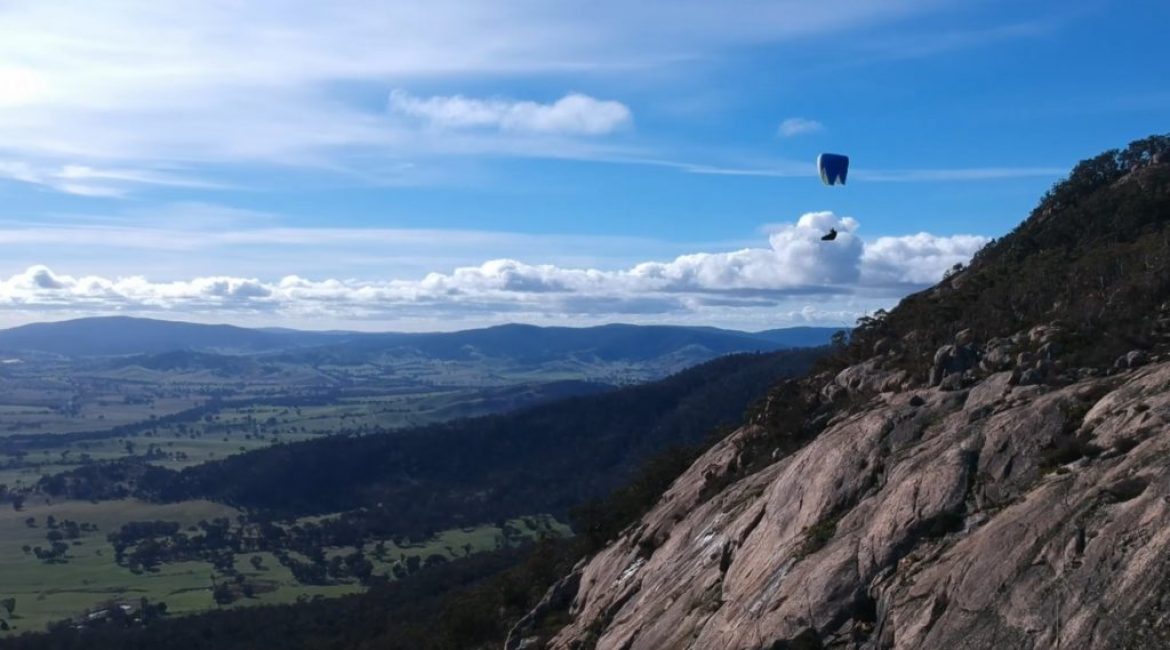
(996, 515)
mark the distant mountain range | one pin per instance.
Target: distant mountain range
(123, 336)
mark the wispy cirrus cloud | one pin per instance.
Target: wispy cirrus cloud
(794, 126)
(969, 174)
(113, 84)
(83, 180)
(798, 169)
(936, 42)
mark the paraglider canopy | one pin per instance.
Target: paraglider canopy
(833, 168)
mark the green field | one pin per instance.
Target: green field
(50, 592)
(90, 413)
(175, 425)
(47, 592)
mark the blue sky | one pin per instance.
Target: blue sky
(448, 164)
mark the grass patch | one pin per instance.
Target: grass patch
(90, 577)
(49, 592)
(818, 535)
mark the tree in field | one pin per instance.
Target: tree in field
(9, 605)
(222, 593)
(839, 339)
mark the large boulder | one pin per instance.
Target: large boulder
(1031, 377)
(951, 359)
(998, 355)
(965, 337)
(832, 392)
(1131, 359)
(865, 378)
(1044, 333)
(953, 381)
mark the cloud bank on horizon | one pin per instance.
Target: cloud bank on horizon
(796, 279)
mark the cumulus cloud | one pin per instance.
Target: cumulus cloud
(795, 272)
(916, 259)
(572, 114)
(799, 126)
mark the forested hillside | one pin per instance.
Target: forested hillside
(543, 459)
(1092, 258)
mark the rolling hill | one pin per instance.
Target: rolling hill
(520, 344)
(122, 335)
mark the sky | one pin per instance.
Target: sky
(456, 164)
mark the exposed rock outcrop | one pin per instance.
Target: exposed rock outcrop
(1001, 516)
(1131, 359)
(952, 360)
(558, 597)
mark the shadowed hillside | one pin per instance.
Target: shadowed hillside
(1092, 258)
(542, 459)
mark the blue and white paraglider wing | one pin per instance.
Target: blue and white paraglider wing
(833, 168)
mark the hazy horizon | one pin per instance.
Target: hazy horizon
(374, 329)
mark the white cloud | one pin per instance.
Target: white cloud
(795, 273)
(117, 84)
(917, 259)
(572, 114)
(800, 126)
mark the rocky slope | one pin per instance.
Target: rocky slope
(1002, 492)
(929, 519)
